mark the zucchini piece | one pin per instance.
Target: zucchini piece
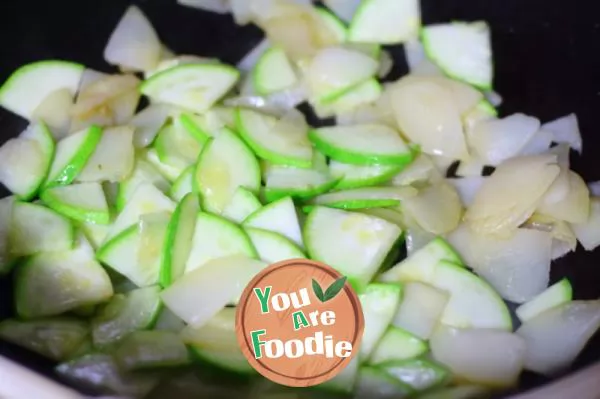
(297, 183)
(366, 197)
(353, 243)
(124, 314)
(27, 238)
(374, 383)
(183, 296)
(365, 144)
(28, 86)
(216, 342)
(179, 239)
(183, 184)
(385, 21)
(355, 176)
(279, 216)
(261, 133)
(113, 157)
(273, 72)
(225, 164)
(215, 237)
(175, 146)
(100, 372)
(556, 295)
(420, 374)
(143, 171)
(72, 154)
(171, 173)
(151, 349)
(52, 283)
(192, 86)
(462, 50)
(397, 344)
(273, 247)
(379, 303)
(83, 202)
(6, 258)
(243, 203)
(25, 161)
(56, 339)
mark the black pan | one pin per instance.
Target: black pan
(547, 65)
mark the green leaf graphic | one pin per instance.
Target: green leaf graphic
(318, 290)
(334, 288)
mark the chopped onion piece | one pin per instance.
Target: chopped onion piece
(555, 337)
(539, 143)
(563, 155)
(418, 63)
(437, 208)
(483, 356)
(494, 98)
(517, 267)
(510, 196)
(148, 122)
(386, 63)
(179, 60)
(566, 130)
(421, 170)
(344, 9)
(498, 140)
(427, 114)
(55, 111)
(563, 237)
(416, 237)
(594, 188)
(134, 43)
(574, 205)
(247, 63)
(588, 233)
(470, 167)
(217, 6)
(276, 103)
(467, 188)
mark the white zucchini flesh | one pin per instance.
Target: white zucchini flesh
(54, 338)
(85, 202)
(34, 229)
(555, 295)
(420, 266)
(72, 154)
(143, 171)
(142, 350)
(243, 203)
(274, 142)
(273, 247)
(555, 337)
(148, 122)
(397, 344)
(335, 69)
(152, 231)
(421, 308)
(379, 303)
(216, 342)
(25, 161)
(225, 164)
(176, 147)
(471, 41)
(179, 239)
(482, 356)
(299, 183)
(216, 237)
(183, 185)
(123, 314)
(199, 286)
(29, 85)
(113, 157)
(100, 371)
(52, 283)
(192, 86)
(517, 267)
(170, 172)
(134, 43)
(360, 95)
(273, 72)
(385, 21)
(353, 243)
(588, 233)
(279, 216)
(145, 199)
(362, 144)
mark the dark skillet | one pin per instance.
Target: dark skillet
(547, 65)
